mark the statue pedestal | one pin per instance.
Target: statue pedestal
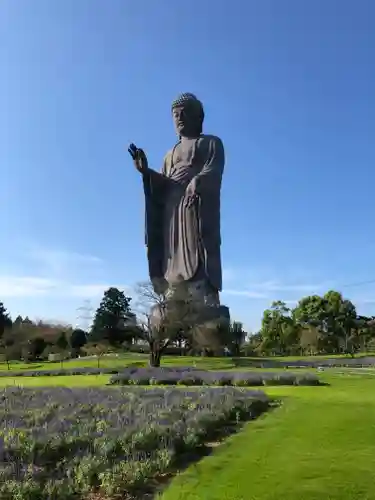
(210, 325)
(211, 329)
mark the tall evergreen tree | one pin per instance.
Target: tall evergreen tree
(62, 342)
(237, 336)
(111, 321)
(78, 338)
(5, 320)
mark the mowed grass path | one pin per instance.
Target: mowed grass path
(121, 362)
(61, 381)
(126, 359)
(320, 444)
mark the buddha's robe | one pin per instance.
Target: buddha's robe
(184, 241)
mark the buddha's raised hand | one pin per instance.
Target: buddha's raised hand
(139, 158)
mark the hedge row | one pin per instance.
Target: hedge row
(78, 371)
(163, 376)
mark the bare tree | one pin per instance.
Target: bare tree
(177, 318)
(98, 349)
(162, 322)
(9, 349)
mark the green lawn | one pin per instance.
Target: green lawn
(63, 380)
(318, 445)
(128, 358)
(111, 362)
(122, 361)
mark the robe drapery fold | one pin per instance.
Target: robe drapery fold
(155, 188)
(183, 241)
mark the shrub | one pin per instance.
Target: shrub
(60, 372)
(195, 377)
(106, 440)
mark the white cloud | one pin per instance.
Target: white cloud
(269, 289)
(228, 274)
(44, 282)
(245, 293)
(369, 300)
(89, 291)
(93, 290)
(59, 262)
(25, 286)
(275, 286)
(54, 272)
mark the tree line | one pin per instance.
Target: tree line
(326, 324)
(116, 326)
(23, 339)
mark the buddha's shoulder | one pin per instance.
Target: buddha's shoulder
(168, 156)
(206, 138)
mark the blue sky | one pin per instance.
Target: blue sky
(288, 86)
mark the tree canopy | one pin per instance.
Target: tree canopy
(113, 318)
(5, 319)
(317, 324)
(324, 324)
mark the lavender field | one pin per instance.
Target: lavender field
(188, 376)
(185, 376)
(68, 443)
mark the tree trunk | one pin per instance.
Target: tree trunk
(156, 351)
(236, 349)
(155, 357)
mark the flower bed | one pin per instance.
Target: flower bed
(171, 376)
(59, 372)
(187, 376)
(79, 371)
(65, 444)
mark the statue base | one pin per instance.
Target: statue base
(209, 324)
(211, 329)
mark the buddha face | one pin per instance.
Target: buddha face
(187, 120)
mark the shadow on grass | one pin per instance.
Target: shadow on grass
(272, 363)
(256, 363)
(185, 460)
(26, 367)
(137, 364)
